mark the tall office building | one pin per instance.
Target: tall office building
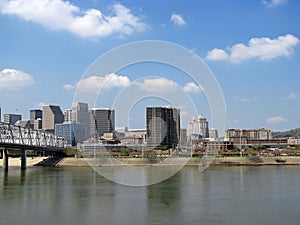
(101, 121)
(198, 128)
(163, 126)
(52, 115)
(81, 114)
(35, 114)
(68, 115)
(11, 118)
(73, 132)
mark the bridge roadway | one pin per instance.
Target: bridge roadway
(19, 138)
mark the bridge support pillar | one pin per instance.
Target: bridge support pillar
(23, 159)
(5, 160)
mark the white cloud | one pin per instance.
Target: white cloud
(68, 87)
(62, 15)
(11, 79)
(217, 54)
(177, 19)
(192, 88)
(95, 83)
(258, 48)
(276, 119)
(159, 85)
(292, 96)
(273, 3)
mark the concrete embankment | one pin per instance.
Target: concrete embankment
(227, 161)
(222, 161)
(17, 161)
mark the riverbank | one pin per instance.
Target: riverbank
(227, 161)
(30, 161)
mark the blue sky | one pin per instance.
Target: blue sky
(252, 47)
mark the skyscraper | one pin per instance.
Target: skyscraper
(35, 114)
(198, 128)
(68, 115)
(52, 115)
(101, 121)
(163, 126)
(73, 132)
(11, 118)
(80, 114)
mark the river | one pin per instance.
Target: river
(218, 195)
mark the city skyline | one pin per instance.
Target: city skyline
(251, 47)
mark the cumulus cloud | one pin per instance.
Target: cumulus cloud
(276, 119)
(62, 15)
(273, 3)
(257, 48)
(96, 83)
(177, 19)
(11, 79)
(217, 54)
(191, 87)
(159, 85)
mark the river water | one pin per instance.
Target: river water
(218, 195)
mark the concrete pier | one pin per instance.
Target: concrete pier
(5, 160)
(23, 159)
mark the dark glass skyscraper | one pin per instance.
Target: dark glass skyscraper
(101, 121)
(163, 126)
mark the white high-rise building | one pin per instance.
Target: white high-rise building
(80, 114)
(68, 115)
(198, 128)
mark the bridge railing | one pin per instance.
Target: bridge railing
(12, 134)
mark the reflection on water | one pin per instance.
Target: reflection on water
(218, 195)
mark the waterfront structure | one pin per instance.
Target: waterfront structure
(80, 114)
(52, 115)
(73, 132)
(163, 126)
(243, 136)
(102, 120)
(23, 139)
(198, 128)
(136, 135)
(293, 141)
(216, 145)
(11, 118)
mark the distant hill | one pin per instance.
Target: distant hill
(286, 134)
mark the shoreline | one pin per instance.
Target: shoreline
(224, 161)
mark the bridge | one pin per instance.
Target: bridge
(18, 138)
